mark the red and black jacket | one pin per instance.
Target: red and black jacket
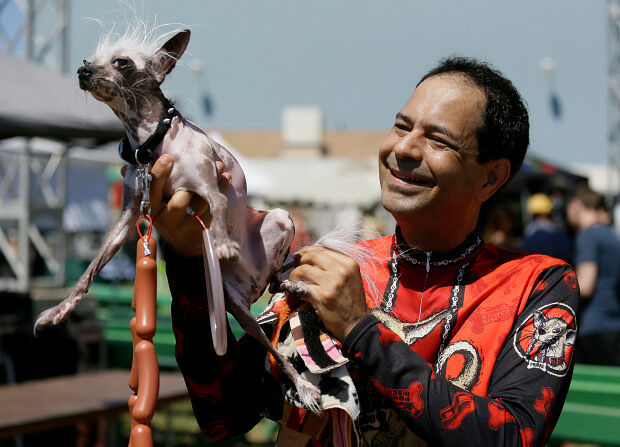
(470, 347)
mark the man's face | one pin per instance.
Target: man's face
(427, 162)
(573, 211)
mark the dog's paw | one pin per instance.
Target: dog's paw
(56, 314)
(309, 395)
(298, 288)
(228, 251)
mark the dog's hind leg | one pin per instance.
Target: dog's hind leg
(226, 248)
(113, 242)
(308, 393)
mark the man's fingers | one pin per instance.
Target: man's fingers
(315, 279)
(159, 173)
(307, 273)
(321, 257)
(219, 168)
(223, 177)
(201, 208)
(310, 257)
(223, 182)
(308, 291)
(176, 209)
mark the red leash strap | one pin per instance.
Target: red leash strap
(148, 233)
(144, 375)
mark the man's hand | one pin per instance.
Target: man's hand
(180, 229)
(335, 288)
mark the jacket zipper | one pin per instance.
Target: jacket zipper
(428, 269)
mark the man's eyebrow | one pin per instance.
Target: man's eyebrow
(429, 128)
(405, 118)
(443, 131)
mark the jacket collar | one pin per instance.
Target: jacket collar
(465, 250)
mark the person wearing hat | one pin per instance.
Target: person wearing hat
(542, 236)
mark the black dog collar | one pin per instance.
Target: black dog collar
(144, 154)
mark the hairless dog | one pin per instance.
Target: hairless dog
(126, 74)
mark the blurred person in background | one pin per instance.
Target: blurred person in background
(303, 235)
(559, 189)
(597, 261)
(501, 227)
(542, 236)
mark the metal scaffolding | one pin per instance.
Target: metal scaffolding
(613, 97)
(41, 34)
(33, 182)
(32, 202)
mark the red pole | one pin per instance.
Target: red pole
(144, 375)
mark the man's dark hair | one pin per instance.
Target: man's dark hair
(505, 128)
(590, 199)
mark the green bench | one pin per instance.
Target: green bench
(114, 312)
(592, 409)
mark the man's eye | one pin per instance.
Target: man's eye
(120, 63)
(438, 142)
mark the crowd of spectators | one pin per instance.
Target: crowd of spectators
(577, 228)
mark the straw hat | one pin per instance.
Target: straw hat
(539, 204)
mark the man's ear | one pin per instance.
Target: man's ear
(497, 174)
(170, 52)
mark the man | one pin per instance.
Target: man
(542, 235)
(470, 344)
(597, 261)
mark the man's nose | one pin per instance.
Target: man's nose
(85, 72)
(410, 146)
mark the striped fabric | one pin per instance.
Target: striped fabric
(343, 429)
(319, 351)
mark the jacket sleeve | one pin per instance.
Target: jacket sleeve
(229, 393)
(523, 401)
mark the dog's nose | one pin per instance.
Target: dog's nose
(85, 72)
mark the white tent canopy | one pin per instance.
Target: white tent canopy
(332, 182)
(258, 181)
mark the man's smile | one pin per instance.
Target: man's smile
(408, 179)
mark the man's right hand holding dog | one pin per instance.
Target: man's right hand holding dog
(180, 229)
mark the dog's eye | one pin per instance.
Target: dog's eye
(120, 63)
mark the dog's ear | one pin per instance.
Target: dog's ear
(571, 336)
(170, 52)
(539, 319)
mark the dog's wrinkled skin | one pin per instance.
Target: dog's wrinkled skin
(251, 244)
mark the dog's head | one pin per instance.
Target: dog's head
(552, 330)
(120, 73)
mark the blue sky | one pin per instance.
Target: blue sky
(10, 19)
(360, 60)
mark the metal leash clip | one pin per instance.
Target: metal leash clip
(143, 179)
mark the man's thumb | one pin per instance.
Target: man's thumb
(159, 173)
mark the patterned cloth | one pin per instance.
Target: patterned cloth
(317, 357)
(318, 350)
